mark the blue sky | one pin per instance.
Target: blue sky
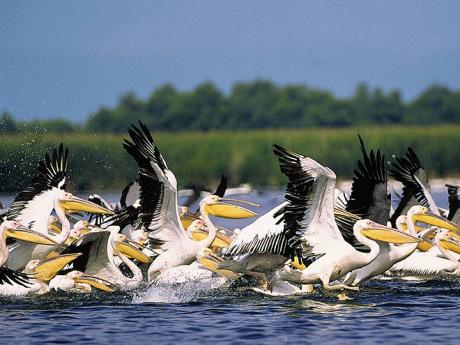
(68, 58)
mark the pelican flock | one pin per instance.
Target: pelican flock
(317, 238)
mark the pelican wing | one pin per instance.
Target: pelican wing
(122, 218)
(93, 246)
(409, 171)
(369, 197)
(454, 204)
(8, 276)
(264, 236)
(222, 187)
(309, 224)
(50, 173)
(158, 189)
(130, 194)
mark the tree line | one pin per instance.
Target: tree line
(257, 105)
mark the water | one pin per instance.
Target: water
(382, 312)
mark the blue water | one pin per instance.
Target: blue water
(382, 312)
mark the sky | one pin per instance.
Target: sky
(68, 58)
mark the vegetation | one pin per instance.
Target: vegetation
(98, 162)
(257, 105)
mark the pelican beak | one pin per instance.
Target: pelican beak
(211, 261)
(28, 235)
(221, 240)
(96, 282)
(296, 264)
(129, 248)
(452, 244)
(435, 220)
(48, 268)
(223, 209)
(76, 204)
(54, 227)
(386, 234)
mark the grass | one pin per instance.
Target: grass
(98, 162)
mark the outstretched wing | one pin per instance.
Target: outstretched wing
(369, 197)
(158, 189)
(416, 190)
(309, 224)
(93, 247)
(8, 276)
(50, 173)
(264, 236)
(130, 194)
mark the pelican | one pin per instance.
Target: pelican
(432, 261)
(14, 229)
(180, 249)
(103, 251)
(312, 232)
(436, 262)
(370, 200)
(34, 205)
(38, 273)
(159, 210)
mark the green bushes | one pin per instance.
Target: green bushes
(98, 162)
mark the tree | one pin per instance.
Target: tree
(7, 123)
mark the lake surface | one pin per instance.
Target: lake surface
(382, 312)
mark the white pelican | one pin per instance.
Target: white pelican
(436, 262)
(34, 205)
(14, 229)
(38, 273)
(370, 200)
(103, 251)
(311, 230)
(159, 211)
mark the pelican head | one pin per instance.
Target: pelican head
(448, 240)
(195, 226)
(422, 214)
(383, 233)
(53, 225)
(219, 207)
(72, 204)
(122, 245)
(14, 229)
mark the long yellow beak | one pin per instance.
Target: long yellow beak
(221, 240)
(451, 244)
(132, 252)
(55, 228)
(386, 234)
(48, 268)
(212, 261)
(30, 236)
(75, 204)
(224, 210)
(96, 282)
(435, 220)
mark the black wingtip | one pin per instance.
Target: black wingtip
(222, 187)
